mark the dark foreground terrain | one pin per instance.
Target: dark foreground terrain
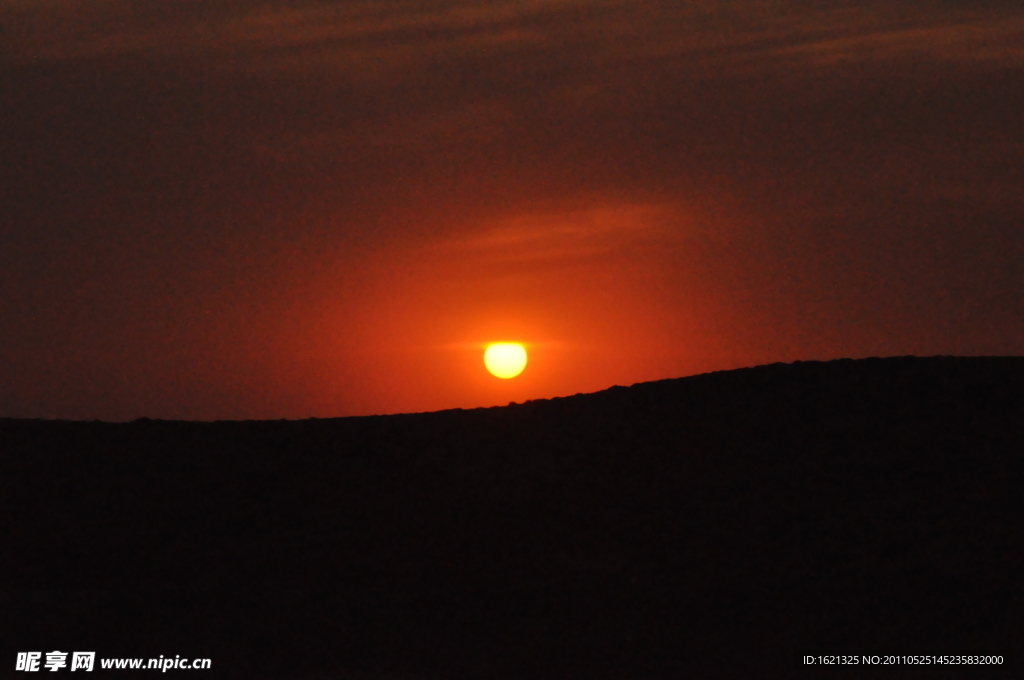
(711, 527)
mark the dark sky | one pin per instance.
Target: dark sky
(270, 209)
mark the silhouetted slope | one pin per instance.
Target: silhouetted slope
(715, 525)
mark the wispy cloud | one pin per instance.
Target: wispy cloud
(374, 34)
(67, 29)
(566, 235)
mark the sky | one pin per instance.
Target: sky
(234, 210)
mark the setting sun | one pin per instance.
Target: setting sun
(505, 359)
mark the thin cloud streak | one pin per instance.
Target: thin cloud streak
(565, 236)
(374, 35)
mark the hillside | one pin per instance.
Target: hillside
(714, 525)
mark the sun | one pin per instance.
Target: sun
(505, 359)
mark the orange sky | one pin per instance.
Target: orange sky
(266, 210)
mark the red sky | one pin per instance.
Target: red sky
(284, 210)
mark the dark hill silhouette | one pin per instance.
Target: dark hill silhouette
(710, 526)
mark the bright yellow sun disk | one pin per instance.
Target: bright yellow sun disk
(505, 359)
